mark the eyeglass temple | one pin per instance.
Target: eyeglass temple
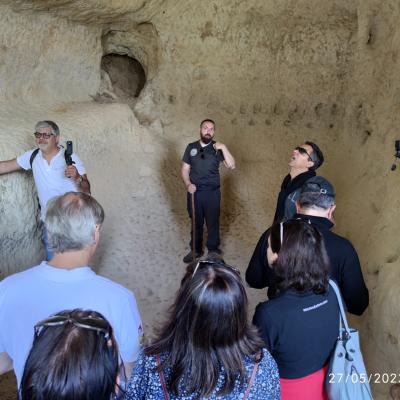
(281, 232)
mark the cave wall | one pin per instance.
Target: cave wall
(272, 74)
(370, 190)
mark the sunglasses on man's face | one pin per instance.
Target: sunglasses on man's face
(39, 135)
(304, 152)
(91, 323)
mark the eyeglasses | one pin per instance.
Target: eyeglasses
(91, 323)
(217, 263)
(39, 135)
(303, 151)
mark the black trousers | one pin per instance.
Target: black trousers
(207, 205)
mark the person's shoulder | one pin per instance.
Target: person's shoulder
(28, 153)
(145, 361)
(23, 159)
(18, 279)
(267, 359)
(193, 144)
(338, 240)
(111, 287)
(269, 306)
(75, 157)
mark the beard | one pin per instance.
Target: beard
(206, 138)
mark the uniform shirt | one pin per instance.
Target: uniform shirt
(204, 165)
(50, 179)
(299, 330)
(33, 295)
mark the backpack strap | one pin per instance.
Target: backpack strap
(33, 155)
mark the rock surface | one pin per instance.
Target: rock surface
(272, 74)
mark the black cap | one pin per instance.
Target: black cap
(318, 185)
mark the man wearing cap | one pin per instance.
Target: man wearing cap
(51, 174)
(305, 160)
(316, 205)
(200, 174)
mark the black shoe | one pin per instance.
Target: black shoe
(189, 257)
(215, 254)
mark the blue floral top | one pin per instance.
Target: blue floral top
(145, 384)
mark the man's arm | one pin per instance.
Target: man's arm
(6, 363)
(185, 173)
(229, 161)
(354, 291)
(259, 274)
(9, 166)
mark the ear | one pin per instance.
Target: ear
(298, 207)
(274, 257)
(96, 234)
(310, 164)
(330, 211)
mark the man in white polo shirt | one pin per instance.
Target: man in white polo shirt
(66, 282)
(52, 175)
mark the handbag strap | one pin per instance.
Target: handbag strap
(341, 307)
(162, 378)
(253, 375)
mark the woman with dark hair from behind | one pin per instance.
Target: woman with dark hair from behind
(207, 348)
(74, 356)
(299, 326)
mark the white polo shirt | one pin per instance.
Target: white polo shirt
(49, 177)
(32, 295)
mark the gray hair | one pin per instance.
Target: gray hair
(48, 124)
(316, 200)
(71, 221)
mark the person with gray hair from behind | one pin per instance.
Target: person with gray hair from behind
(316, 205)
(52, 175)
(73, 221)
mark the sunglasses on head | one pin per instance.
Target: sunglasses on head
(203, 263)
(92, 323)
(303, 151)
(284, 222)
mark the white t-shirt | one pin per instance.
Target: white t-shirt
(49, 178)
(33, 295)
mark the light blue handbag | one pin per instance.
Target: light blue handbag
(347, 378)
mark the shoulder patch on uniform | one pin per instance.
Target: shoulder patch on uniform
(193, 152)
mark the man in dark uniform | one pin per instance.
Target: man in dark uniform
(200, 173)
(316, 205)
(303, 163)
